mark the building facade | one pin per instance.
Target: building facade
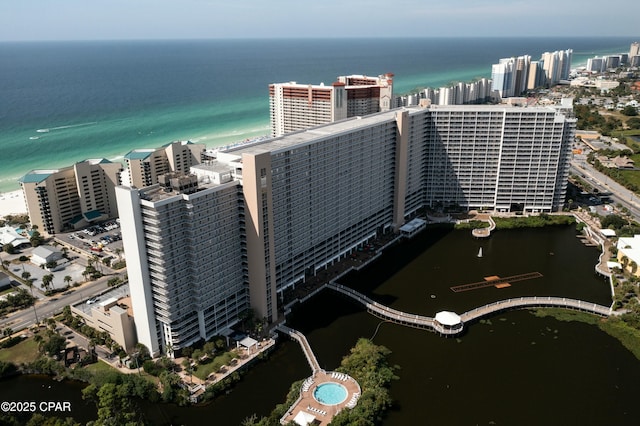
(145, 165)
(72, 197)
(292, 205)
(296, 106)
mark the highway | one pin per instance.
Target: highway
(604, 184)
(46, 307)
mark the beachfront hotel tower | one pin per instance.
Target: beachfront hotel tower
(272, 214)
(145, 165)
(71, 197)
(295, 106)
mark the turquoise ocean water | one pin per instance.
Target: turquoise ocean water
(65, 102)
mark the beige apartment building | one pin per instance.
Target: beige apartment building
(145, 165)
(71, 197)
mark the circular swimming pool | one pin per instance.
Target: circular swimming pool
(330, 393)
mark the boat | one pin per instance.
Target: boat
(480, 252)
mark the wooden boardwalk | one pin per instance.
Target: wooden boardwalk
(494, 281)
(533, 302)
(423, 322)
(393, 315)
(302, 340)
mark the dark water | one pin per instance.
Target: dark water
(513, 369)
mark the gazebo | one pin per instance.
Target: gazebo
(248, 343)
(449, 320)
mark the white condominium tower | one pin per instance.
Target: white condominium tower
(510, 76)
(274, 213)
(296, 106)
(557, 65)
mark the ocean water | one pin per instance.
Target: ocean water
(62, 102)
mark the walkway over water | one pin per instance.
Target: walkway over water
(302, 340)
(536, 301)
(419, 321)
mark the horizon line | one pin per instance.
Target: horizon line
(310, 38)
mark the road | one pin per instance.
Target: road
(604, 183)
(46, 307)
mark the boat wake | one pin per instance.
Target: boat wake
(71, 126)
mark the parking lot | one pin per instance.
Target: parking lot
(103, 240)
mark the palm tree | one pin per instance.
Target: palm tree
(47, 280)
(67, 279)
(25, 276)
(5, 264)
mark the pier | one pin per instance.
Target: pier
(423, 322)
(304, 344)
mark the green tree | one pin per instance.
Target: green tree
(54, 345)
(67, 279)
(9, 248)
(115, 407)
(47, 281)
(630, 111)
(36, 239)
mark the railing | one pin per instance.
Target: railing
(419, 321)
(302, 340)
(523, 302)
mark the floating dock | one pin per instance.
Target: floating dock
(496, 281)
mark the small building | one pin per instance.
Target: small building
(629, 254)
(8, 235)
(411, 228)
(113, 316)
(42, 255)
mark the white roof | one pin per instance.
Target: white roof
(413, 225)
(612, 265)
(303, 418)
(608, 232)
(448, 318)
(8, 235)
(630, 247)
(247, 342)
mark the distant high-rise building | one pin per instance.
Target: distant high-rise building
(634, 50)
(596, 64)
(612, 61)
(145, 165)
(275, 213)
(536, 75)
(72, 197)
(556, 65)
(296, 106)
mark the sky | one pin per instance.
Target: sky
(30, 20)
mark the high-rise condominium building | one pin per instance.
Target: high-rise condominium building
(145, 165)
(296, 106)
(557, 65)
(510, 76)
(71, 197)
(634, 50)
(277, 212)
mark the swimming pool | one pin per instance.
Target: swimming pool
(330, 393)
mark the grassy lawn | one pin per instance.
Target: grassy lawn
(204, 370)
(25, 351)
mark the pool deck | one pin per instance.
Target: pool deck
(323, 413)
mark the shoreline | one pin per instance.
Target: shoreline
(12, 203)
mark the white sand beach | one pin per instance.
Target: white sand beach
(12, 203)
